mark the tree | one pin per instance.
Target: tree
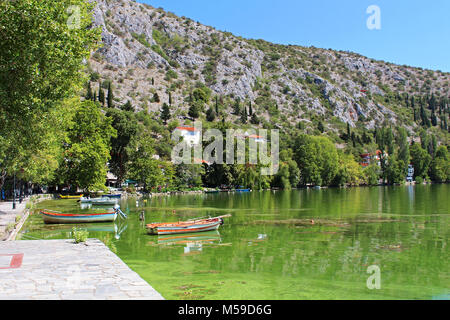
(420, 159)
(320, 127)
(210, 115)
(402, 141)
(349, 171)
(36, 79)
(110, 96)
(101, 95)
(88, 151)
(165, 113)
(372, 174)
(317, 159)
(440, 166)
(254, 119)
(395, 171)
(237, 107)
(194, 110)
(32, 75)
(156, 98)
(143, 167)
(244, 115)
(349, 134)
(217, 105)
(127, 126)
(89, 95)
(127, 106)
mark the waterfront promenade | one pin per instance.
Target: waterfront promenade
(8, 216)
(63, 270)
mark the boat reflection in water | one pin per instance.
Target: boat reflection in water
(193, 242)
(57, 230)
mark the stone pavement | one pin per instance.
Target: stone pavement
(63, 270)
(8, 215)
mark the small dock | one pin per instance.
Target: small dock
(63, 270)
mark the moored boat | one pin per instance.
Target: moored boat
(112, 196)
(100, 201)
(212, 191)
(242, 190)
(53, 217)
(71, 197)
(192, 226)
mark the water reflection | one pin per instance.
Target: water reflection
(269, 249)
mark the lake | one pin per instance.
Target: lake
(299, 244)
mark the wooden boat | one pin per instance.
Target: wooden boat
(52, 217)
(71, 197)
(192, 226)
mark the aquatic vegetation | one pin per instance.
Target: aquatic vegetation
(79, 235)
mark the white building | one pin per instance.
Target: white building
(190, 135)
(410, 177)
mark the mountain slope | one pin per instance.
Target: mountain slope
(286, 85)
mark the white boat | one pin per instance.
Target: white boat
(100, 201)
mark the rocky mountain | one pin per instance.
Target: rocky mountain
(147, 50)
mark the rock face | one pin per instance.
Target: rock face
(141, 44)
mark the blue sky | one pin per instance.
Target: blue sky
(415, 33)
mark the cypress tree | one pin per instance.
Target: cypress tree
(165, 113)
(170, 98)
(244, 115)
(250, 110)
(101, 95)
(254, 119)
(89, 92)
(349, 134)
(217, 105)
(194, 111)
(237, 107)
(110, 96)
(320, 127)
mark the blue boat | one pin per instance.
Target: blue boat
(243, 190)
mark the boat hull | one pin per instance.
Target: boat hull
(185, 227)
(63, 218)
(100, 201)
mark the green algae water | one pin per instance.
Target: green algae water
(300, 244)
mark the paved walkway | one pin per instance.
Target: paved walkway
(62, 270)
(8, 215)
